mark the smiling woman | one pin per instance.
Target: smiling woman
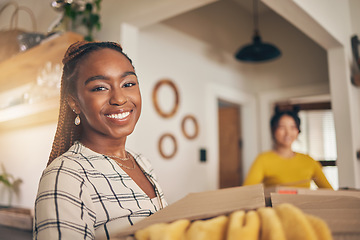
(93, 186)
(282, 166)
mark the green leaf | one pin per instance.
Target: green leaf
(88, 38)
(97, 3)
(98, 25)
(89, 7)
(3, 178)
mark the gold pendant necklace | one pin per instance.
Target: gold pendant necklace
(128, 157)
(124, 159)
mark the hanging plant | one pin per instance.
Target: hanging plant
(78, 14)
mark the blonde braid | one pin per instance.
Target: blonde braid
(67, 132)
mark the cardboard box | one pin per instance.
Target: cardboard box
(339, 209)
(306, 191)
(204, 205)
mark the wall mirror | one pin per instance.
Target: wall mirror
(167, 146)
(166, 98)
(190, 127)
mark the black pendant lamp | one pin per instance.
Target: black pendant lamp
(258, 51)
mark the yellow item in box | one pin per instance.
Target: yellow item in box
(271, 227)
(284, 222)
(294, 223)
(164, 231)
(243, 225)
(212, 229)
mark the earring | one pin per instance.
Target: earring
(77, 119)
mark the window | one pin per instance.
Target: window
(318, 139)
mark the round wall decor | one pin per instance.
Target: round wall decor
(161, 147)
(161, 112)
(185, 131)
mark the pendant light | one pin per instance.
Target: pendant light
(258, 51)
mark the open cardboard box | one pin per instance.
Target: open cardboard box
(340, 209)
(204, 205)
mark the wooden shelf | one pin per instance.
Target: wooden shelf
(22, 69)
(26, 115)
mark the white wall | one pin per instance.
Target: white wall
(165, 53)
(24, 154)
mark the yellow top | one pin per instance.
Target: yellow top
(298, 171)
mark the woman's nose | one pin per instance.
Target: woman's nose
(117, 97)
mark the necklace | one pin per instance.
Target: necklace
(128, 157)
(124, 159)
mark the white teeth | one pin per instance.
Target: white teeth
(119, 115)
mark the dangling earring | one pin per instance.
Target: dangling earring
(77, 119)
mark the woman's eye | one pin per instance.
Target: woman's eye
(130, 84)
(97, 89)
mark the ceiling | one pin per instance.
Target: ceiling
(226, 24)
(248, 5)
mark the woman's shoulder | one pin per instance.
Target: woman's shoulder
(265, 157)
(304, 156)
(266, 154)
(73, 159)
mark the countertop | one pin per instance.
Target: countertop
(9, 233)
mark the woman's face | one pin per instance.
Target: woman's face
(108, 95)
(286, 132)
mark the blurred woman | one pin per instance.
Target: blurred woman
(281, 165)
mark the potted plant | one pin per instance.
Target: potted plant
(11, 185)
(78, 14)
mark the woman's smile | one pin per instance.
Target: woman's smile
(119, 116)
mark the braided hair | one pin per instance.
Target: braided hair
(67, 132)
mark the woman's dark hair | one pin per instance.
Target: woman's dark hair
(274, 122)
(67, 132)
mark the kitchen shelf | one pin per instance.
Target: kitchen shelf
(23, 69)
(27, 115)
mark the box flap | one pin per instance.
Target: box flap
(320, 191)
(340, 212)
(205, 205)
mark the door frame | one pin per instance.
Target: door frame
(248, 121)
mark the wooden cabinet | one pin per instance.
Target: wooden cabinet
(23, 69)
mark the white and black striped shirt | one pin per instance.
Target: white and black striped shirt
(86, 195)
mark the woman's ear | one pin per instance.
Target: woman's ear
(73, 104)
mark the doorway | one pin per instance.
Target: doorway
(230, 145)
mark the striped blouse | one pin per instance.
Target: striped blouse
(86, 195)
